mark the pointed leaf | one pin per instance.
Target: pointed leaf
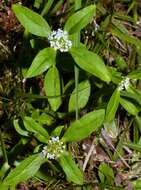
(89, 123)
(71, 170)
(114, 74)
(133, 146)
(46, 119)
(112, 106)
(57, 131)
(138, 122)
(121, 63)
(53, 88)
(133, 95)
(19, 129)
(129, 106)
(83, 96)
(24, 171)
(106, 174)
(32, 21)
(43, 60)
(136, 74)
(90, 62)
(80, 19)
(32, 126)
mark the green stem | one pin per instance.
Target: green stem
(47, 7)
(76, 70)
(3, 148)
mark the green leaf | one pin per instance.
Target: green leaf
(18, 128)
(83, 96)
(32, 21)
(46, 119)
(138, 122)
(90, 62)
(133, 95)
(53, 88)
(4, 187)
(25, 170)
(3, 170)
(112, 106)
(121, 63)
(32, 126)
(111, 129)
(57, 131)
(114, 74)
(137, 184)
(80, 19)
(106, 174)
(42, 175)
(56, 7)
(136, 74)
(43, 60)
(71, 170)
(37, 3)
(89, 123)
(133, 146)
(47, 7)
(129, 106)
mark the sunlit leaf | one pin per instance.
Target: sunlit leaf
(24, 171)
(82, 128)
(90, 62)
(136, 74)
(53, 88)
(43, 60)
(32, 21)
(129, 106)
(80, 19)
(32, 126)
(19, 129)
(112, 106)
(70, 168)
(83, 96)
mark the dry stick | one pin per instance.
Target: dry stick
(88, 155)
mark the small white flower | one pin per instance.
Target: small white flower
(55, 139)
(50, 156)
(53, 149)
(96, 26)
(124, 84)
(59, 40)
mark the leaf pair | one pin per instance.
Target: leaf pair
(37, 25)
(88, 61)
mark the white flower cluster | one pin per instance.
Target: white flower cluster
(53, 149)
(59, 40)
(124, 84)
